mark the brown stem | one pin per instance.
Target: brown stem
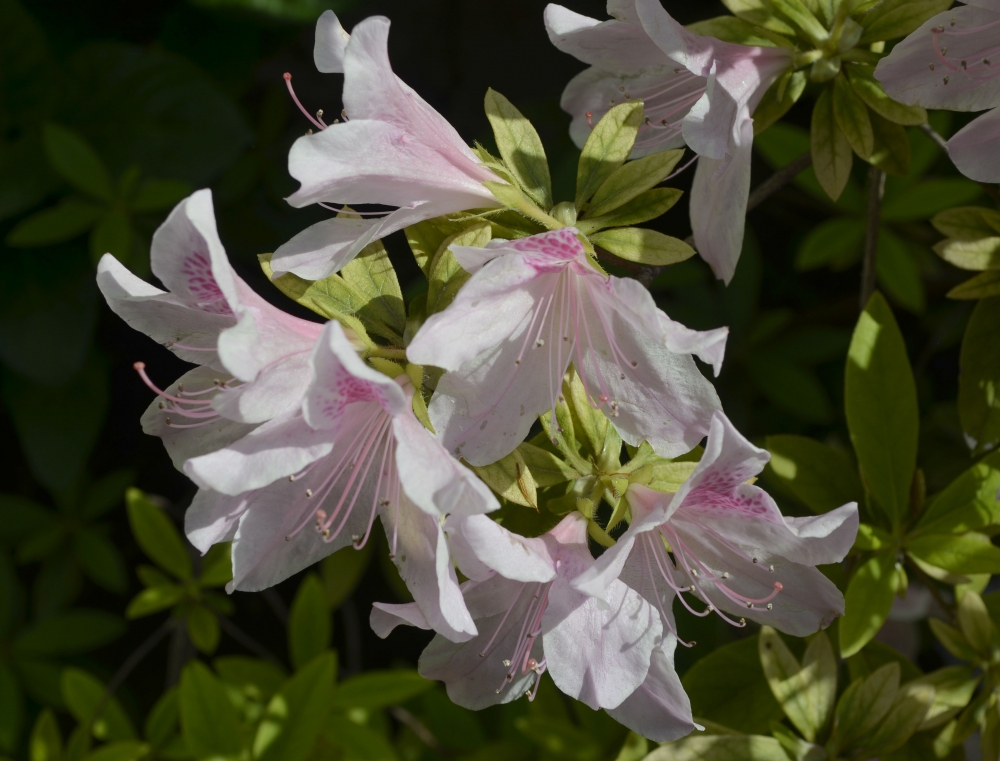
(876, 189)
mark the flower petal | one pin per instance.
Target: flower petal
(420, 553)
(331, 43)
(708, 345)
(212, 518)
(385, 617)
(262, 337)
(436, 482)
(614, 46)
(599, 654)
(513, 556)
(660, 708)
(975, 148)
(276, 390)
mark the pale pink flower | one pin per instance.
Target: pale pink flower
(254, 358)
(299, 488)
(731, 547)
(533, 306)
(608, 654)
(695, 89)
(392, 148)
(953, 62)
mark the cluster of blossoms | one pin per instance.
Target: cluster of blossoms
(300, 434)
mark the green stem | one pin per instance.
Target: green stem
(386, 352)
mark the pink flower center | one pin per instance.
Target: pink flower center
(966, 52)
(531, 627)
(202, 285)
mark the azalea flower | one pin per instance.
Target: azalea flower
(533, 306)
(392, 148)
(731, 547)
(953, 62)
(608, 654)
(695, 89)
(254, 358)
(299, 488)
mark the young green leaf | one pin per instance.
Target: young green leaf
(85, 696)
(547, 468)
(720, 748)
(45, 743)
(520, 147)
(805, 692)
(881, 404)
(831, 150)
(967, 503)
(157, 535)
(979, 380)
(309, 622)
(643, 246)
(891, 19)
(209, 722)
(779, 99)
(154, 599)
(607, 147)
(203, 628)
(822, 477)
(446, 275)
(371, 275)
(865, 703)
(76, 162)
(870, 90)
(379, 689)
(759, 13)
(852, 117)
(511, 478)
(867, 602)
(119, 751)
(644, 207)
(953, 689)
(975, 622)
(66, 220)
(982, 286)
(631, 179)
(960, 554)
(296, 714)
(912, 703)
(892, 147)
(217, 566)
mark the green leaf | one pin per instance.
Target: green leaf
(113, 234)
(11, 710)
(720, 748)
(727, 685)
(975, 622)
(120, 751)
(209, 723)
(835, 243)
(157, 535)
(297, 713)
(631, 179)
(70, 632)
(84, 695)
(822, 477)
(865, 703)
(953, 689)
(155, 195)
(897, 272)
(892, 147)
(962, 554)
(251, 676)
(867, 602)
(446, 274)
(342, 571)
(928, 197)
(897, 18)
(953, 640)
(76, 162)
(163, 720)
(361, 743)
(881, 404)
(644, 207)
(100, 560)
(791, 387)
(795, 746)
(779, 99)
(979, 380)
(520, 147)
(872, 538)
(202, 628)
(736, 30)
(981, 253)
(910, 707)
(831, 150)
(425, 238)
(870, 91)
(371, 275)
(309, 622)
(45, 743)
(69, 218)
(644, 246)
(982, 286)
(379, 689)
(806, 693)
(852, 117)
(154, 599)
(759, 13)
(967, 503)
(217, 566)
(511, 478)
(547, 468)
(607, 147)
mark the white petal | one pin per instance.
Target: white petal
(331, 43)
(975, 148)
(511, 555)
(659, 709)
(614, 46)
(212, 518)
(278, 389)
